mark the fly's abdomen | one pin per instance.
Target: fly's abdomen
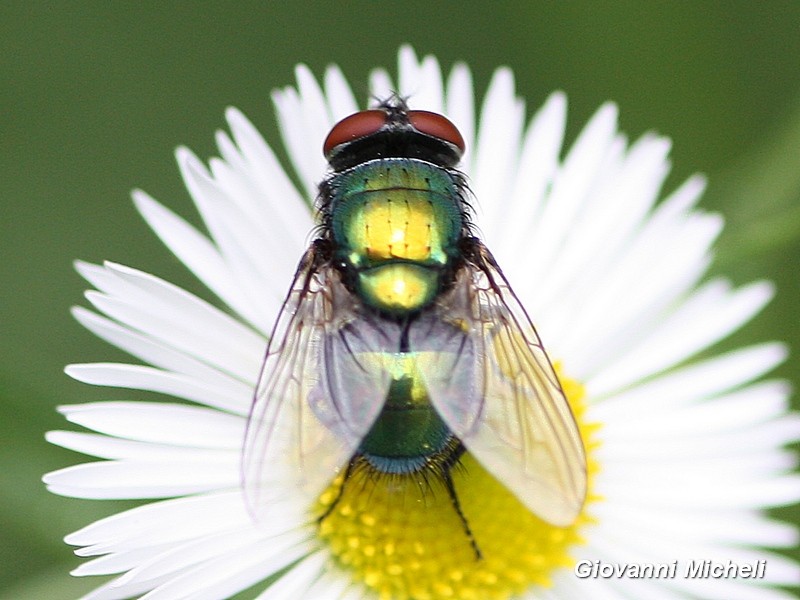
(408, 432)
(396, 223)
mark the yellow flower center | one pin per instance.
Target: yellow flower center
(401, 536)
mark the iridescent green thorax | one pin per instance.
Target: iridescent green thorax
(395, 224)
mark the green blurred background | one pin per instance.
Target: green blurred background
(95, 96)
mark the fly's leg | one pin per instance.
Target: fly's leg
(445, 469)
(451, 491)
(347, 473)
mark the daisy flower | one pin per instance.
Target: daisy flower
(684, 454)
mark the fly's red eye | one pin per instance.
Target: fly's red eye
(437, 126)
(358, 125)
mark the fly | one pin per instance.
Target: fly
(401, 345)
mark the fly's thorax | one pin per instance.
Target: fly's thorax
(396, 223)
(398, 287)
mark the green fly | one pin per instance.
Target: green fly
(401, 345)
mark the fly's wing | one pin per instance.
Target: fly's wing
(318, 393)
(497, 391)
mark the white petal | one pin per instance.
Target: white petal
(115, 449)
(178, 558)
(538, 163)
(380, 86)
(112, 591)
(230, 396)
(735, 411)
(695, 382)
(334, 586)
(237, 240)
(266, 228)
(148, 478)
(195, 251)
(618, 450)
(278, 198)
(766, 493)
(420, 82)
(712, 312)
(582, 167)
(112, 564)
(304, 121)
(601, 235)
(408, 72)
(338, 93)
(615, 298)
(164, 522)
(460, 108)
(228, 574)
(171, 315)
(663, 266)
(296, 583)
(698, 526)
(145, 348)
(160, 355)
(496, 153)
(155, 423)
